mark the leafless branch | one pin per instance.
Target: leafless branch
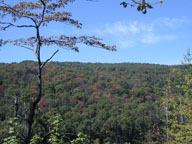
(49, 58)
(28, 48)
(135, 2)
(31, 49)
(43, 12)
(11, 24)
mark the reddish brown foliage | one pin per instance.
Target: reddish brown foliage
(43, 105)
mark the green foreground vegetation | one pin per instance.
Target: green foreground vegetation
(103, 103)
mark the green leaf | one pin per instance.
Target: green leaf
(124, 4)
(140, 7)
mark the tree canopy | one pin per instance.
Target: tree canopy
(178, 104)
(114, 103)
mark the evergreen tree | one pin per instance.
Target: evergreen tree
(178, 104)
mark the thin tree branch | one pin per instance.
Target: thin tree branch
(11, 24)
(136, 2)
(31, 49)
(22, 118)
(71, 44)
(28, 48)
(43, 12)
(45, 137)
(15, 11)
(49, 58)
(64, 136)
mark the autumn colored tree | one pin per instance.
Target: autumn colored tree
(142, 5)
(40, 13)
(113, 114)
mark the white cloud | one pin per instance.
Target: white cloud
(172, 22)
(152, 39)
(169, 37)
(126, 43)
(133, 33)
(124, 28)
(121, 28)
(147, 27)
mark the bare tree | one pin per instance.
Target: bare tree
(41, 13)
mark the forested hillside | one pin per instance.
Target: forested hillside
(114, 103)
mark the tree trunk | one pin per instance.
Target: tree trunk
(33, 105)
(16, 105)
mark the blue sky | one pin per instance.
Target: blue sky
(162, 36)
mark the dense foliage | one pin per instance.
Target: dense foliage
(114, 103)
(178, 103)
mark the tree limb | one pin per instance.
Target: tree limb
(28, 48)
(43, 12)
(22, 118)
(31, 49)
(17, 12)
(49, 58)
(11, 24)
